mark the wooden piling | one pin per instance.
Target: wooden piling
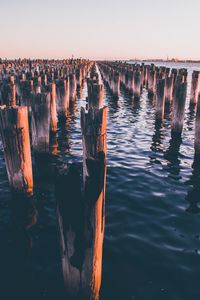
(137, 84)
(178, 110)
(9, 94)
(14, 131)
(13, 95)
(194, 87)
(72, 87)
(82, 217)
(160, 99)
(169, 88)
(116, 85)
(40, 121)
(53, 123)
(62, 97)
(95, 94)
(130, 84)
(93, 125)
(151, 83)
(79, 78)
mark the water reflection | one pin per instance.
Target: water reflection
(14, 273)
(172, 155)
(64, 134)
(72, 109)
(113, 103)
(80, 92)
(136, 106)
(131, 102)
(157, 145)
(191, 116)
(24, 213)
(53, 144)
(193, 196)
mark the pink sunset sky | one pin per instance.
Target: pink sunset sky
(104, 29)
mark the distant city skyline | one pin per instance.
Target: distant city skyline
(100, 30)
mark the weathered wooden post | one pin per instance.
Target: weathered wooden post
(178, 111)
(13, 95)
(9, 94)
(169, 88)
(95, 94)
(25, 93)
(31, 85)
(72, 87)
(116, 85)
(16, 143)
(151, 83)
(174, 72)
(62, 97)
(93, 126)
(79, 78)
(129, 78)
(194, 87)
(160, 100)
(40, 121)
(53, 123)
(82, 218)
(137, 84)
(39, 84)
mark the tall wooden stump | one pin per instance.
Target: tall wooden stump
(82, 217)
(137, 84)
(40, 121)
(169, 88)
(62, 97)
(130, 84)
(194, 87)
(160, 100)
(151, 83)
(9, 94)
(72, 87)
(53, 124)
(13, 95)
(116, 85)
(79, 78)
(93, 125)
(178, 111)
(16, 143)
(25, 94)
(95, 94)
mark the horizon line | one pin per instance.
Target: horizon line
(173, 59)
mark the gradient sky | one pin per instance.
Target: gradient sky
(110, 29)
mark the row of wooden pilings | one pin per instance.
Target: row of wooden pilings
(134, 77)
(31, 93)
(32, 97)
(165, 87)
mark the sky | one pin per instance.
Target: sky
(106, 29)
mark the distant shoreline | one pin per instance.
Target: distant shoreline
(168, 61)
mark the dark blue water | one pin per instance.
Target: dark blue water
(152, 236)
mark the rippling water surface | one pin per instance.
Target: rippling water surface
(152, 237)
